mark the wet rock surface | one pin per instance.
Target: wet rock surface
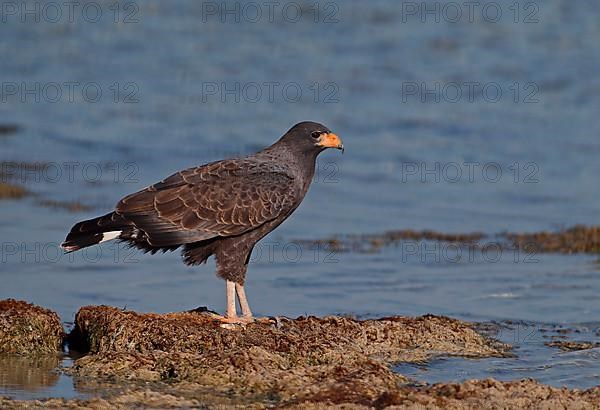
(475, 394)
(570, 346)
(369, 243)
(26, 329)
(492, 394)
(141, 399)
(578, 239)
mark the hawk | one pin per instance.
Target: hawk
(222, 208)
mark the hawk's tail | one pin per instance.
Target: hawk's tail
(94, 231)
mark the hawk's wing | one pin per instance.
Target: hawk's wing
(225, 198)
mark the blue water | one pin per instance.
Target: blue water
(415, 158)
(533, 359)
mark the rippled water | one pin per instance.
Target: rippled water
(533, 358)
(408, 163)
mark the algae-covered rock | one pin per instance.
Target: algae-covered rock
(570, 346)
(27, 329)
(139, 399)
(342, 359)
(472, 394)
(578, 239)
(492, 394)
(303, 363)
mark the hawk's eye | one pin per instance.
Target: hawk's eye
(316, 134)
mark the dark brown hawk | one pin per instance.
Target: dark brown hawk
(222, 208)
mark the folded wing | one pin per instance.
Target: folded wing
(225, 198)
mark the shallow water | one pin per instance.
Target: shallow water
(407, 165)
(549, 365)
(35, 378)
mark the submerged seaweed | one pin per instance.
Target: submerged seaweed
(578, 239)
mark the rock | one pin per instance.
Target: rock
(26, 329)
(578, 239)
(187, 360)
(292, 360)
(493, 394)
(472, 394)
(570, 346)
(138, 399)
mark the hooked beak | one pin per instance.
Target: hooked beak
(330, 140)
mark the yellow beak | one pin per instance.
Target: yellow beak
(330, 140)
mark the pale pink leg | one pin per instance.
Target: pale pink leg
(241, 293)
(231, 316)
(231, 311)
